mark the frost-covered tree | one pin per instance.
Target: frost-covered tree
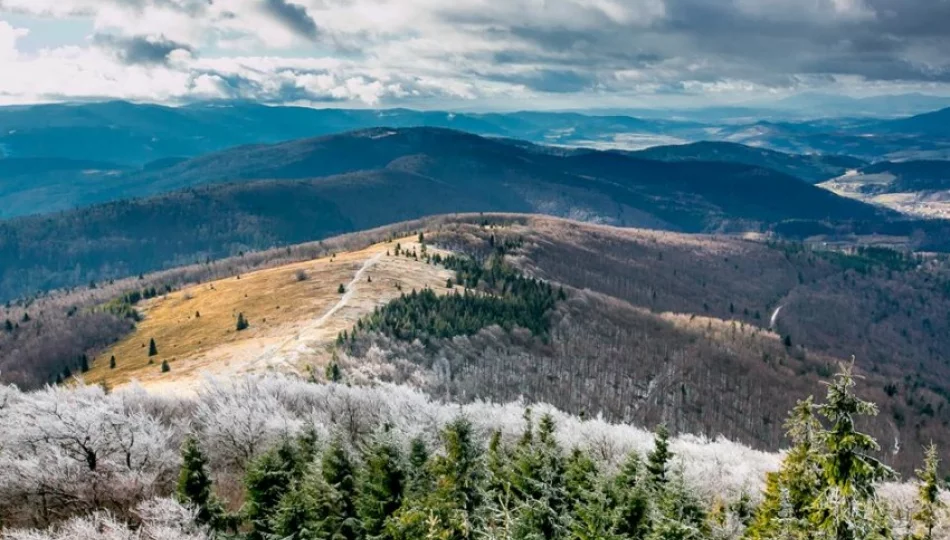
(381, 486)
(930, 509)
(847, 507)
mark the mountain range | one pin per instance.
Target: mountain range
(258, 196)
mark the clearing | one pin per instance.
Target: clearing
(295, 313)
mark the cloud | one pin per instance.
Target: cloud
(294, 16)
(575, 52)
(143, 50)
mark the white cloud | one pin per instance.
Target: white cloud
(379, 52)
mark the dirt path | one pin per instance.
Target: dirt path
(287, 352)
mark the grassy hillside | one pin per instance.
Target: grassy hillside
(651, 327)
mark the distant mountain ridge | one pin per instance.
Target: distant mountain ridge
(811, 168)
(262, 196)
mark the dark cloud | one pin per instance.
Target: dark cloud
(294, 17)
(145, 50)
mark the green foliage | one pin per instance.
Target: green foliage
(930, 508)
(381, 487)
(341, 289)
(165, 366)
(333, 372)
(112, 362)
(267, 480)
(242, 323)
(194, 484)
(152, 348)
(658, 459)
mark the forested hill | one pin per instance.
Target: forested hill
(811, 168)
(383, 176)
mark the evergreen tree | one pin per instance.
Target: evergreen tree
(333, 372)
(341, 289)
(630, 495)
(194, 484)
(112, 362)
(152, 349)
(930, 507)
(8, 325)
(267, 480)
(242, 323)
(793, 489)
(381, 488)
(84, 363)
(339, 473)
(165, 366)
(658, 459)
(538, 485)
(847, 508)
(26, 317)
(450, 510)
(418, 477)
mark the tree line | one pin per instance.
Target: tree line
(533, 488)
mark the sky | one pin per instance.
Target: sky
(470, 54)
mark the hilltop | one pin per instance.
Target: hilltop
(258, 197)
(638, 326)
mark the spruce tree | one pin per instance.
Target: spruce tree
(242, 323)
(632, 499)
(194, 484)
(450, 510)
(658, 459)
(339, 473)
(930, 508)
(152, 349)
(267, 480)
(792, 489)
(165, 366)
(341, 289)
(847, 507)
(418, 477)
(381, 487)
(84, 363)
(112, 362)
(333, 372)
(8, 325)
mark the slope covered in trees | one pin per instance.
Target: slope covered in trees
(314, 188)
(657, 327)
(270, 457)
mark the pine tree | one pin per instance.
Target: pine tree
(381, 487)
(631, 497)
(152, 349)
(847, 508)
(194, 484)
(538, 483)
(930, 507)
(658, 459)
(341, 289)
(418, 476)
(26, 317)
(112, 362)
(8, 325)
(339, 473)
(83, 363)
(242, 323)
(165, 366)
(333, 372)
(450, 510)
(794, 488)
(267, 480)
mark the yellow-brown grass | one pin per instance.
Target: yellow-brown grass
(292, 311)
